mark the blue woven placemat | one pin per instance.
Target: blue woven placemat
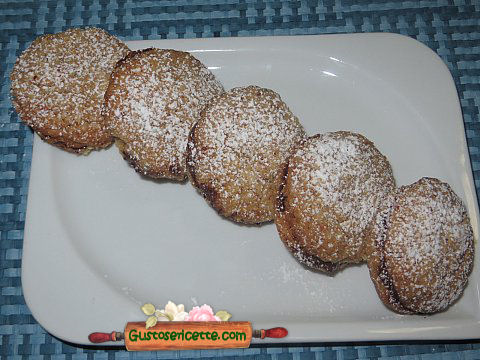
(451, 28)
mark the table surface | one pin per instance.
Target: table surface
(451, 28)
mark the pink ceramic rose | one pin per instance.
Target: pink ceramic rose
(202, 313)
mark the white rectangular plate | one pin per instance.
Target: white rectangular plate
(100, 240)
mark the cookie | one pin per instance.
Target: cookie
(153, 99)
(58, 85)
(423, 249)
(236, 149)
(332, 187)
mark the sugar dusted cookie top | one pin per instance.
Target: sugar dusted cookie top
(423, 250)
(58, 86)
(236, 152)
(154, 98)
(333, 184)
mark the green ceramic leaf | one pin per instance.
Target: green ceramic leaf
(148, 309)
(151, 321)
(223, 315)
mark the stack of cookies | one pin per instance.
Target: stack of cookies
(332, 196)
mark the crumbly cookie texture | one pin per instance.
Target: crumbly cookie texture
(154, 98)
(58, 85)
(236, 150)
(333, 184)
(423, 251)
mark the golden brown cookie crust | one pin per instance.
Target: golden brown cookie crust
(153, 99)
(328, 199)
(58, 86)
(299, 249)
(427, 249)
(236, 149)
(375, 256)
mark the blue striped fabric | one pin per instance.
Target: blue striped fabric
(451, 28)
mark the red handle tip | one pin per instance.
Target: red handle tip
(99, 337)
(278, 332)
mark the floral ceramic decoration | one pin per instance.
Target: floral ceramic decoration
(173, 312)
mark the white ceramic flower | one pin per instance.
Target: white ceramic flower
(171, 312)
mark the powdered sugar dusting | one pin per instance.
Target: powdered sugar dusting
(335, 184)
(59, 82)
(238, 148)
(429, 246)
(154, 98)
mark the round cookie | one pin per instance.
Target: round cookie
(236, 149)
(58, 84)
(423, 250)
(153, 99)
(332, 186)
